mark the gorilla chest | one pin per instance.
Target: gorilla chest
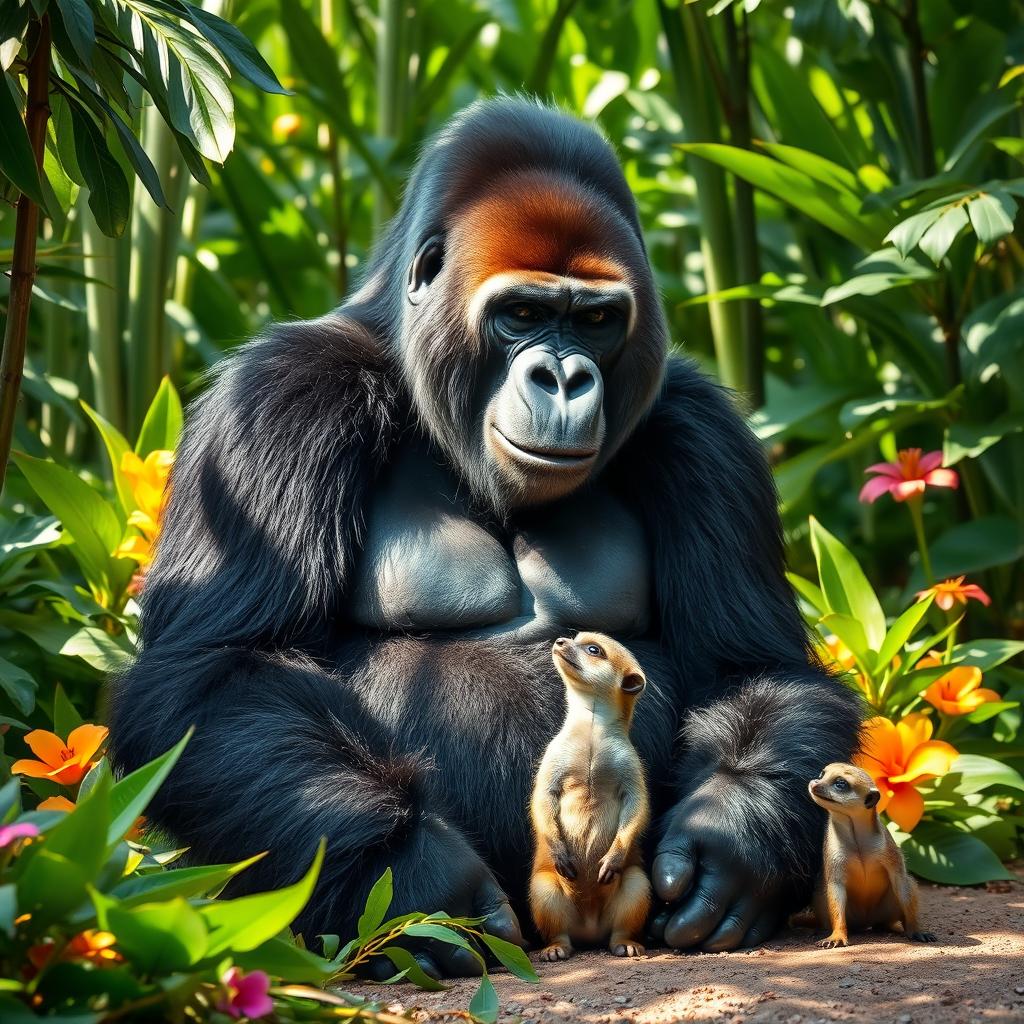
(429, 564)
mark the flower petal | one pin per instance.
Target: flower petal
(906, 807)
(47, 746)
(56, 803)
(929, 760)
(874, 489)
(944, 600)
(889, 469)
(942, 478)
(86, 740)
(907, 489)
(973, 590)
(930, 461)
(880, 751)
(33, 769)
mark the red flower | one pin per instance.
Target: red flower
(908, 477)
(949, 592)
(246, 994)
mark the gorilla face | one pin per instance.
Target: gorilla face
(524, 345)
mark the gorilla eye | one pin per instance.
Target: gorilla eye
(528, 314)
(600, 315)
(841, 784)
(595, 650)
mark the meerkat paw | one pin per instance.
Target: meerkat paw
(922, 936)
(626, 947)
(556, 951)
(610, 867)
(834, 940)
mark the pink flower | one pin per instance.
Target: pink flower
(246, 994)
(908, 477)
(950, 592)
(25, 830)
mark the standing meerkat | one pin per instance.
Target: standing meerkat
(590, 807)
(864, 881)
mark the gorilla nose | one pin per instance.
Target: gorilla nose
(564, 395)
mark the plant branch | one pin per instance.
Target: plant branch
(912, 30)
(23, 264)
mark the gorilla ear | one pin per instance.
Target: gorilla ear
(872, 798)
(426, 265)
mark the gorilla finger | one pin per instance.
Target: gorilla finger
(499, 918)
(673, 870)
(455, 961)
(656, 925)
(700, 914)
(380, 968)
(428, 964)
(764, 927)
(733, 927)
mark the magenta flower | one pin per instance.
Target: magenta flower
(8, 833)
(246, 994)
(908, 477)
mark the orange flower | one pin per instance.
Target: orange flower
(908, 476)
(949, 592)
(91, 945)
(899, 757)
(838, 653)
(56, 803)
(148, 480)
(959, 691)
(60, 762)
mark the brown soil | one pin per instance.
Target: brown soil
(974, 973)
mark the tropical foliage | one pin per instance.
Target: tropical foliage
(830, 190)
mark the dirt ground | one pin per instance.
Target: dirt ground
(974, 973)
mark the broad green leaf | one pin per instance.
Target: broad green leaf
(935, 242)
(484, 1004)
(821, 169)
(109, 194)
(510, 956)
(902, 630)
(969, 440)
(16, 160)
(10, 800)
(161, 427)
(159, 938)
(943, 854)
(837, 211)
(65, 715)
(851, 632)
(406, 963)
(19, 686)
(159, 886)
(971, 547)
(283, 959)
(992, 215)
(845, 586)
(81, 30)
(116, 445)
(8, 909)
(242, 924)
(989, 710)
(86, 517)
(377, 903)
(809, 591)
(129, 797)
(978, 773)
(98, 648)
(240, 52)
(27, 533)
(986, 654)
(906, 235)
(439, 933)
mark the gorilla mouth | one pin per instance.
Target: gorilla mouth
(549, 457)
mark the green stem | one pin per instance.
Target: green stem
(547, 51)
(914, 506)
(951, 638)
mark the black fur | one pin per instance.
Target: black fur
(414, 751)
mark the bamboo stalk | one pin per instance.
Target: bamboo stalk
(548, 49)
(23, 264)
(389, 48)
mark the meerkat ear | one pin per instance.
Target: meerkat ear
(633, 682)
(872, 798)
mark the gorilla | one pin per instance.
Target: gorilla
(380, 521)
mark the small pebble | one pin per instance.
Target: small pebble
(847, 982)
(1019, 989)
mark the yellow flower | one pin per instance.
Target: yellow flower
(959, 691)
(148, 480)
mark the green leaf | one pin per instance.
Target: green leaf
(161, 427)
(836, 210)
(845, 586)
(116, 445)
(971, 547)
(989, 710)
(978, 773)
(992, 215)
(86, 517)
(129, 797)
(809, 591)
(65, 715)
(281, 958)
(19, 686)
(821, 169)
(940, 236)
(159, 886)
(159, 938)
(80, 28)
(943, 854)
(405, 962)
(377, 903)
(98, 648)
(986, 654)
(902, 630)
(240, 52)
(16, 160)
(969, 440)
(851, 632)
(906, 235)
(10, 800)
(440, 933)
(109, 195)
(247, 922)
(510, 956)
(484, 1004)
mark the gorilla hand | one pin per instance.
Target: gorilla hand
(441, 871)
(715, 898)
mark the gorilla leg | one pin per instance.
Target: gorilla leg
(282, 755)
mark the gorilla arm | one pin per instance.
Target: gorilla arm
(742, 843)
(258, 542)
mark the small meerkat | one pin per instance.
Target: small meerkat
(864, 881)
(590, 807)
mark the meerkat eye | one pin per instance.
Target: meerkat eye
(841, 784)
(595, 650)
